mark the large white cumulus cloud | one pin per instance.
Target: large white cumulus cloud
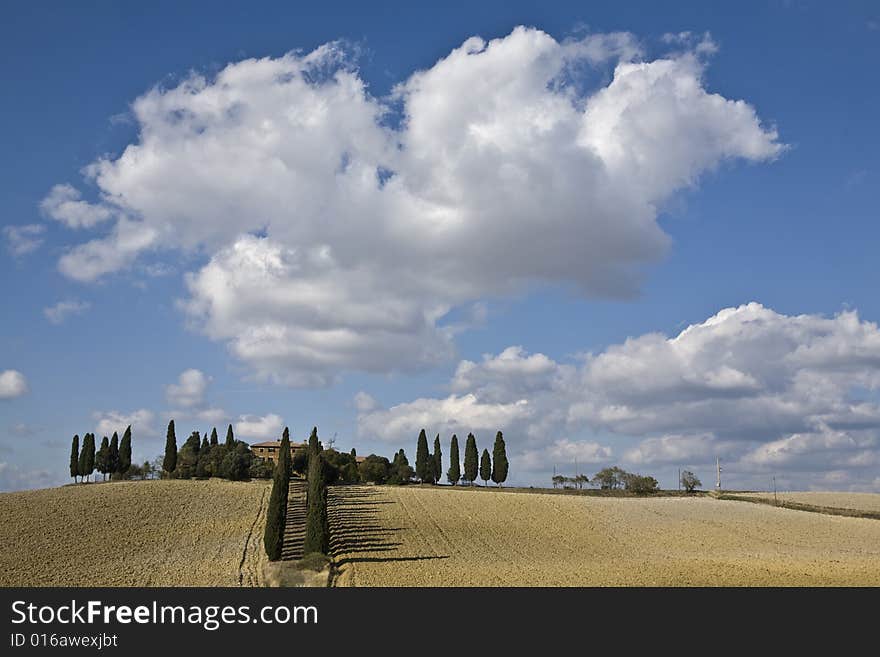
(506, 168)
(765, 391)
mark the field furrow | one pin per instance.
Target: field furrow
(134, 533)
(443, 536)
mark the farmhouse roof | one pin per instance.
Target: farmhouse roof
(276, 443)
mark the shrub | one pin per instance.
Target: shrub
(639, 484)
(375, 469)
(690, 481)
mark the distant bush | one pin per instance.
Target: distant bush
(374, 469)
(690, 481)
(639, 484)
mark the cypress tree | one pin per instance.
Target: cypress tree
(169, 463)
(87, 456)
(230, 439)
(485, 467)
(424, 462)
(499, 460)
(437, 460)
(125, 451)
(102, 458)
(194, 442)
(214, 440)
(74, 457)
(316, 539)
(113, 455)
(471, 458)
(276, 513)
(205, 445)
(454, 473)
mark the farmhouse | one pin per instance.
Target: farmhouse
(269, 449)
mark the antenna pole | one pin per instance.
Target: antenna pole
(718, 473)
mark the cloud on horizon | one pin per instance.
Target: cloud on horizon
(764, 391)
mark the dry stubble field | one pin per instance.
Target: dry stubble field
(408, 536)
(138, 533)
(855, 501)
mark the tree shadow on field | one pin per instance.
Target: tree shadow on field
(356, 528)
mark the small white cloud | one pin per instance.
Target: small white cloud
(64, 203)
(265, 427)
(88, 262)
(141, 421)
(12, 384)
(64, 309)
(454, 414)
(214, 416)
(365, 403)
(24, 239)
(189, 391)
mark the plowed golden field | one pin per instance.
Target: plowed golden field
(138, 533)
(855, 501)
(413, 536)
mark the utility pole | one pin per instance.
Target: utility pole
(718, 472)
(775, 501)
(554, 475)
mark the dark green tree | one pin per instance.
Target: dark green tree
(236, 462)
(87, 456)
(205, 444)
(424, 462)
(113, 455)
(102, 458)
(276, 513)
(454, 472)
(401, 472)
(499, 460)
(437, 458)
(188, 457)
(485, 467)
(471, 459)
(214, 440)
(194, 443)
(374, 469)
(124, 452)
(169, 463)
(300, 461)
(317, 535)
(230, 439)
(74, 457)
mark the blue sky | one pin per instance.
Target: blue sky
(772, 200)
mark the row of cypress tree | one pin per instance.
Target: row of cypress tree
(317, 533)
(429, 467)
(113, 457)
(202, 457)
